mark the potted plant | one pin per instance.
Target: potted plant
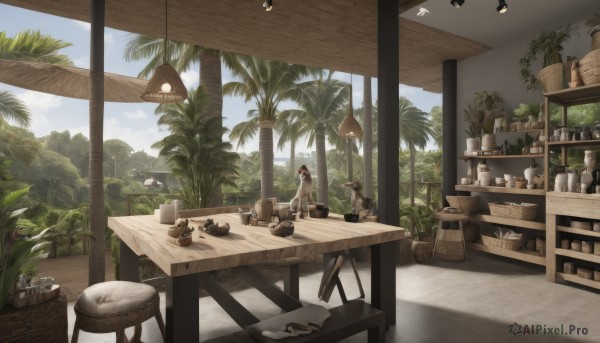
(422, 230)
(481, 116)
(548, 45)
(527, 112)
(18, 252)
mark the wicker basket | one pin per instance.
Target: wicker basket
(552, 77)
(596, 41)
(589, 68)
(450, 245)
(523, 211)
(44, 322)
(422, 251)
(404, 253)
(504, 243)
(584, 273)
(467, 204)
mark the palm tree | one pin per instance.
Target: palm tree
(194, 149)
(33, 46)
(321, 102)
(268, 83)
(289, 131)
(415, 128)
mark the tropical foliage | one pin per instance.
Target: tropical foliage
(198, 158)
(17, 252)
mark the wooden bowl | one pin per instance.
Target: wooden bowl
(351, 217)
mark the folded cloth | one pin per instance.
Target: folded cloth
(298, 322)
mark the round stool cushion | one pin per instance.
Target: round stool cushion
(112, 305)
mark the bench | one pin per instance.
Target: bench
(345, 321)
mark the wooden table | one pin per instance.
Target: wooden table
(244, 246)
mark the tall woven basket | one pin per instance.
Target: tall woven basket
(552, 77)
(596, 40)
(43, 322)
(450, 245)
(589, 67)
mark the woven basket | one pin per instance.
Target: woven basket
(596, 41)
(44, 322)
(422, 251)
(584, 273)
(404, 253)
(450, 245)
(589, 67)
(504, 243)
(467, 204)
(552, 77)
(524, 211)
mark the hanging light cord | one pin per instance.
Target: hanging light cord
(350, 109)
(166, 31)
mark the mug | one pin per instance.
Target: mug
(464, 181)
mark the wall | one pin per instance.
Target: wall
(498, 70)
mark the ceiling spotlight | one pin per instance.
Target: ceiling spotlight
(268, 5)
(457, 3)
(502, 6)
(422, 11)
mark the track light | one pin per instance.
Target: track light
(457, 3)
(268, 5)
(502, 6)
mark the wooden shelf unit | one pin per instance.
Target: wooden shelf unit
(594, 142)
(575, 96)
(526, 256)
(578, 255)
(499, 157)
(577, 231)
(576, 279)
(503, 190)
(526, 224)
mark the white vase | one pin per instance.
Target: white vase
(529, 174)
(560, 182)
(473, 144)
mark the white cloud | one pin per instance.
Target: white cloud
(190, 78)
(135, 114)
(139, 138)
(39, 102)
(108, 38)
(83, 25)
(82, 62)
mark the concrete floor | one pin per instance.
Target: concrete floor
(472, 301)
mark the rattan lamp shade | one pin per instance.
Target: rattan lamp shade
(350, 128)
(165, 86)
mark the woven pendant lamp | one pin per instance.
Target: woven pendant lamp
(350, 128)
(165, 86)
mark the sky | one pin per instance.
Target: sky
(135, 123)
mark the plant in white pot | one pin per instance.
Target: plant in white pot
(481, 115)
(549, 46)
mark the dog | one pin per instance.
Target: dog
(304, 194)
(358, 201)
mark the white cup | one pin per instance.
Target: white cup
(464, 181)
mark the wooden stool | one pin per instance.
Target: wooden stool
(455, 248)
(114, 306)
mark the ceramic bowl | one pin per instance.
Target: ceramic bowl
(351, 217)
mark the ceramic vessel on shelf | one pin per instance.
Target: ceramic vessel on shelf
(482, 167)
(586, 180)
(473, 144)
(573, 181)
(531, 172)
(560, 182)
(589, 160)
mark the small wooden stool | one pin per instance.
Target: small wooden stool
(456, 238)
(114, 306)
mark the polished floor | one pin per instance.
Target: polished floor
(472, 301)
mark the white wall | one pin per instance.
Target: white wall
(498, 70)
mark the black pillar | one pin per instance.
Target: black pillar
(449, 157)
(388, 183)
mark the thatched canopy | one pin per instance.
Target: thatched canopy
(67, 81)
(333, 34)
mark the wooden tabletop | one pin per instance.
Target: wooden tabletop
(245, 245)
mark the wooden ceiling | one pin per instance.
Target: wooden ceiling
(333, 34)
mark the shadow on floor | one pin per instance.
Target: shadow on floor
(480, 263)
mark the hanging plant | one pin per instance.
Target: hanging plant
(548, 45)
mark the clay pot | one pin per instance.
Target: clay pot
(264, 210)
(185, 240)
(282, 229)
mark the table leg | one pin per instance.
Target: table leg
(128, 264)
(183, 319)
(383, 279)
(291, 283)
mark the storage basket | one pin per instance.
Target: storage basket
(465, 203)
(44, 322)
(422, 251)
(450, 245)
(589, 68)
(523, 211)
(552, 77)
(596, 41)
(584, 273)
(404, 253)
(504, 243)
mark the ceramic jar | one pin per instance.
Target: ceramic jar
(530, 173)
(560, 182)
(572, 181)
(589, 160)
